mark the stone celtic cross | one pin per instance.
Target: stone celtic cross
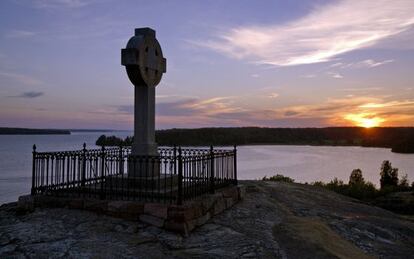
(145, 65)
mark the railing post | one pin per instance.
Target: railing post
(83, 175)
(212, 170)
(33, 190)
(180, 178)
(235, 164)
(102, 172)
(121, 161)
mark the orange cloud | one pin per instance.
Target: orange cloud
(366, 120)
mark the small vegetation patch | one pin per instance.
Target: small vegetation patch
(113, 141)
(279, 178)
(394, 194)
(358, 188)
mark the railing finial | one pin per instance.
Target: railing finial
(34, 148)
(84, 145)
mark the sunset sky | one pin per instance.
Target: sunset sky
(278, 63)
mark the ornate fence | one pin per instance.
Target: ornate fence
(173, 176)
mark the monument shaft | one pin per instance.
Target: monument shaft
(144, 121)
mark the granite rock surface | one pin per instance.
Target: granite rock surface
(275, 220)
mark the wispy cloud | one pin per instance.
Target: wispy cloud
(388, 104)
(362, 89)
(174, 96)
(335, 75)
(290, 113)
(367, 63)
(19, 34)
(189, 107)
(309, 76)
(325, 33)
(273, 95)
(338, 64)
(24, 79)
(29, 95)
(44, 4)
(372, 63)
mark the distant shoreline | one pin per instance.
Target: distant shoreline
(27, 131)
(399, 139)
(32, 131)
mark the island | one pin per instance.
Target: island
(27, 131)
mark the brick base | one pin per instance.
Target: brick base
(178, 218)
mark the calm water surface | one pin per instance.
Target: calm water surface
(303, 163)
(313, 163)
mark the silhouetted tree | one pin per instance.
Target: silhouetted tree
(404, 182)
(394, 177)
(109, 141)
(356, 177)
(389, 175)
(128, 141)
(101, 140)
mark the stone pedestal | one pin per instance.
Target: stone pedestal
(144, 122)
(159, 184)
(142, 167)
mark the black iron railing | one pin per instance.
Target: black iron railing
(173, 176)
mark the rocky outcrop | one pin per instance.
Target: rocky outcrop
(275, 220)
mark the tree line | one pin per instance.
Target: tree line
(399, 139)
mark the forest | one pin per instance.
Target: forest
(399, 139)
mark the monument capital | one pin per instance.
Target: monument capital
(143, 58)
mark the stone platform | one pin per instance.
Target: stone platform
(178, 218)
(150, 183)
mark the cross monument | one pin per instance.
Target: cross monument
(144, 65)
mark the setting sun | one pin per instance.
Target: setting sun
(365, 120)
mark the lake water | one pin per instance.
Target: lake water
(302, 163)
